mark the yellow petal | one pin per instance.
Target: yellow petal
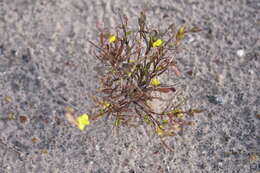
(105, 105)
(82, 121)
(111, 38)
(159, 130)
(178, 113)
(81, 126)
(157, 43)
(155, 82)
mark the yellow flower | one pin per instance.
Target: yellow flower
(178, 113)
(155, 82)
(82, 121)
(159, 130)
(111, 38)
(105, 105)
(157, 43)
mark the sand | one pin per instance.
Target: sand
(46, 64)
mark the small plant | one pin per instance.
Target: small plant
(133, 61)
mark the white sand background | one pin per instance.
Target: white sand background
(61, 68)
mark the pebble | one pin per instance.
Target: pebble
(216, 99)
(241, 53)
(52, 49)
(97, 147)
(26, 58)
(1, 50)
(190, 39)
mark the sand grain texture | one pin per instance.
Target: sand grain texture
(45, 60)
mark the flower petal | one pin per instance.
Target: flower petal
(159, 130)
(155, 82)
(111, 39)
(81, 126)
(157, 43)
(82, 121)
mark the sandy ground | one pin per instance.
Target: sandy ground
(46, 63)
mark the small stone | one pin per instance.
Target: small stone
(23, 119)
(13, 52)
(26, 58)
(241, 53)
(97, 147)
(168, 168)
(10, 116)
(52, 49)
(253, 157)
(1, 50)
(189, 39)
(216, 100)
(20, 146)
(190, 72)
(8, 99)
(131, 171)
(44, 151)
(34, 140)
(220, 163)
